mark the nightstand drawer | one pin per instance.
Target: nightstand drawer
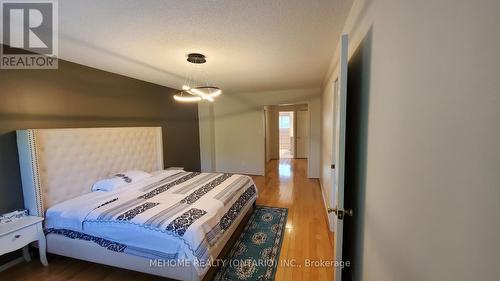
(18, 239)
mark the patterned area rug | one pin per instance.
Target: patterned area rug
(255, 255)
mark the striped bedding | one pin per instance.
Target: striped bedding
(175, 215)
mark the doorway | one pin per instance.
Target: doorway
(286, 130)
(286, 134)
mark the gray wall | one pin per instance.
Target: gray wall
(80, 96)
(428, 164)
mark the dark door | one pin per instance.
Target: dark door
(358, 79)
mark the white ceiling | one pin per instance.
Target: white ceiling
(251, 45)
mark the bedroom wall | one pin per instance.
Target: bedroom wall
(80, 96)
(238, 143)
(428, 172)
(207, 136)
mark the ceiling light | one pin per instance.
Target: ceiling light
(183, 97)
(206, 92)
(193, 90)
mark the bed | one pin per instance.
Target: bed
(171, 224)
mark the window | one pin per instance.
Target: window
(284, 122)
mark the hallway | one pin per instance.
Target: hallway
(307, 236)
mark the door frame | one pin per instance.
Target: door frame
(292, 128)
(295, 132)
(339, 168)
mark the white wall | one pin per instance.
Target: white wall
(431, 206)
(327, 151)
(207, 130)
(238, 143)
(268, 123)
(272, 124)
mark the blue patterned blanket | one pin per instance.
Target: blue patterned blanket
(172, 216)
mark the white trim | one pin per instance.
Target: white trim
(159, 145)
(325, 204)
(29, 172)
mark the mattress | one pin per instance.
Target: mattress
(172, 215)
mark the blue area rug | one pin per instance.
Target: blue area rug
(255, 255)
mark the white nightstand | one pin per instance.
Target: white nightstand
(18, 234)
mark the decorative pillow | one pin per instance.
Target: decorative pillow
(120, 180)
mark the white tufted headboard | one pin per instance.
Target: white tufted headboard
(60, 164)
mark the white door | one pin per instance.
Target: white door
(339, 148)
(302, 134)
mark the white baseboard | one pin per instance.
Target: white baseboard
(325, 203)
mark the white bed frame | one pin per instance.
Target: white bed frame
(60, 164)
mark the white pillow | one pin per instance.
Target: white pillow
(120, 180)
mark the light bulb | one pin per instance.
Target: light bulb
(187, 98)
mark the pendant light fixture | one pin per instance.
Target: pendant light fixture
(193, 90)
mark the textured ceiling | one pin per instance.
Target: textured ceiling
(250, 45)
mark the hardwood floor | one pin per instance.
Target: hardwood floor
(306, 236)
(285, 185)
